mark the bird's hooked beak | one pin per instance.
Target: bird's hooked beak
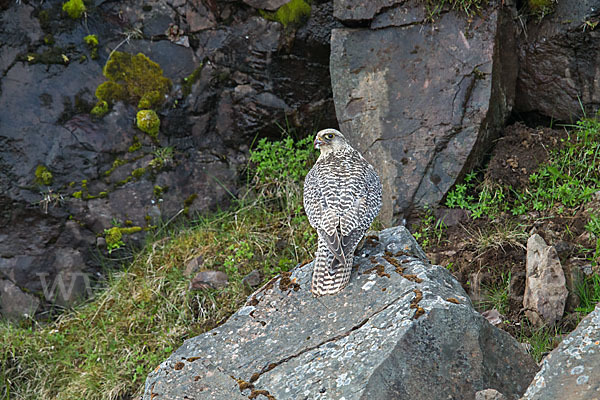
(318, 142)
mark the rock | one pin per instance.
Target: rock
(545, 290)
(209, 280)
(14, 303)
(253, 279)
(559, 75)
(452, 216)
(571, 370)
(199, 17)
(489, 394)
(193, 266)
(401, 329)
(422, 104)
(493, 317)
(270, 5)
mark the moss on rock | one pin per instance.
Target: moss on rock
(135, 79)
(293, 13)
(100, 109)
(92, 42)
(43, 176)
(74, 8)
(148, 121)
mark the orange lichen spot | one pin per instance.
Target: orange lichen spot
(379, 269)
(412, 277)
(420, 311)
(452, 300)
(178, 366)
(285, 283)
(418, 297)
(192, 359)
(254, 377)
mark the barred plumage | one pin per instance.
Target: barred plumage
(342, 197)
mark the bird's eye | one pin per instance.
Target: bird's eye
(329, 136)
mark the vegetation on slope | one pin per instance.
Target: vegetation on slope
(559, 198)
(105, 348)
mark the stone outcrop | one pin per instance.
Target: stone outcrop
(421, 101)
(545, 285)
(571, 370)
(235, 75)
(559, 74)
(402, 329)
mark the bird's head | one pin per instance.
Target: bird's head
(329, 140)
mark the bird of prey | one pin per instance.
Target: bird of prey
(342, 196)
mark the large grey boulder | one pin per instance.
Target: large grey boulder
(558, 58)
(402, 329)
(421, 101)
(571, 370)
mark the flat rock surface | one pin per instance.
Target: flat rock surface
(571, 370)
(422, 102)
(402, 325)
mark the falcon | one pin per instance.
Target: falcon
(342, 197)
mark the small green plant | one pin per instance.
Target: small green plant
(280, 167)
(588, 291)
(430, 230)
(114, 238)
(541, 340)
(163, 156)
(497, 295)
(92, 42)
(541, 8)
(238, 253)
(74, 8)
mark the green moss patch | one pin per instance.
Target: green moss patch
(294, 13)
(135, 79)
(148, 121)
(43, 176)
(92, 43)
(100, 109)
(74, 8)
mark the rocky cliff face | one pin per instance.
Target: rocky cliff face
(66, 176)
(402, 329)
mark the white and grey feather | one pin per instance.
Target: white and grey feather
(342, 197)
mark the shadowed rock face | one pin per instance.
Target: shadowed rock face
(401, 329)
(421, 101)
(559, 73)
(249, 75)
(571, 370)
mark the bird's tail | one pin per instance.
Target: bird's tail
(326, 280)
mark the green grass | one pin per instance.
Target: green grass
(104, 349)
(497, 295)
(588, 291)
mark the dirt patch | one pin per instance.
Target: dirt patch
(519, 153)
